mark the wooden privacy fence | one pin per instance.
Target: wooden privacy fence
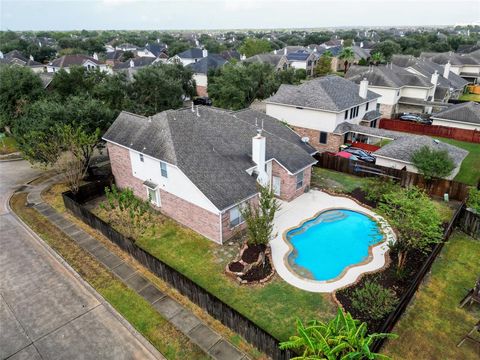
(407, 296)
(197, 294)
(431, 130)
(470, 223)
(438, 187)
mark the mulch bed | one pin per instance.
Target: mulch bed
(252, 252)
(258, 273)
(388, 279)
(235, 266)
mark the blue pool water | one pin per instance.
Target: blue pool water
(334, 240)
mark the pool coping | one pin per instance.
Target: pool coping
(369, 258)
(377, 253)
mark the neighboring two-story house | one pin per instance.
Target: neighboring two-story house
(302, 59)
(400, 90)
(199, 165)
(66, 61)
(465, 65)
(278, 61)
(317, 107)
(189, 56)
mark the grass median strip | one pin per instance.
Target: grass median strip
(163, 335)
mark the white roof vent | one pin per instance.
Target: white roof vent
(305, 139)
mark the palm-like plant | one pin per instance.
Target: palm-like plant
(341, 338)
(377, 58)
(347, 55)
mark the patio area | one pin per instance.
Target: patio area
(308, 205)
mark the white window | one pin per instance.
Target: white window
(141, 157)
(163, 169)
(299, 180)
(235, 217)
(153, 196)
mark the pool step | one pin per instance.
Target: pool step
(332, 216)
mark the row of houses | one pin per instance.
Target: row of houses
(200, 165)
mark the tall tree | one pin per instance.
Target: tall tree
(348, 56)
(252, 46)
(324, 64)
(388, 48)
(19, 87)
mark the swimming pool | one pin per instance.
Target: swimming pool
(325, 246)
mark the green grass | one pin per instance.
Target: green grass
(433, 323)
(8, 145)
(336, 181)
(470, 170)
(273, 306)
(470, 97)
(146, 320)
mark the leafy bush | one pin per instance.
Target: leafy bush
(376, 188)
(433, 163)
(474, 200)
(373, 300)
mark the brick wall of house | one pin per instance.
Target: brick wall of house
(333, 140)
(228, 231)
(186, 213)
(288, 187)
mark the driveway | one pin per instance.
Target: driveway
(46, 310)
(306, 206)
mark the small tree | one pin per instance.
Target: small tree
(432, 163)
(376, 188)
(259, 218)
(340, 338)
(127, 211)
(416, 219)
(377, 58)
(324, 65)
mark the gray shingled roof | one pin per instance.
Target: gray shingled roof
(403, 145)
(465, 112)
(213, 150)
(271, 59)
(139, 61)
(386, 76)
(331, 93)
(70, 60)
(193, 53)
(211, 62)
(372, 115)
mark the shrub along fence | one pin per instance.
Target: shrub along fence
(207, 301)
(431, 130)
(438, 187)
(407, 296)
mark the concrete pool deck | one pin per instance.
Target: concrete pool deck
(308, 205)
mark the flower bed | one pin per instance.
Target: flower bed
(252, 266)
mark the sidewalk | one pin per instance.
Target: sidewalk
(182, 318)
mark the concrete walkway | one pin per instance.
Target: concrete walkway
(182, 318)
(46, 310)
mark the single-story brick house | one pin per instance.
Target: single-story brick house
(462, 116)
(199, 165)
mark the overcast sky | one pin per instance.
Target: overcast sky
(232, 14)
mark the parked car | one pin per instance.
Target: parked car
(202, 100)
(415, 118)
(360, 154)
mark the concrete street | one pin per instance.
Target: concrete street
(47, 311)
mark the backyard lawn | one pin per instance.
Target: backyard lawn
(273, 306)
(334, 180)
(470, 97)
(470, 170)
(433, 323)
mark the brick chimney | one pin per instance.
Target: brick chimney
(258, 156)
(446, 70)
(363, 89)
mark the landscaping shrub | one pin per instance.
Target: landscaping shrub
(374, 301)
(376, 188)
(473, 201)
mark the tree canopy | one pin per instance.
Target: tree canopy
(19, 86)
(433, 163)
(253, 46)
